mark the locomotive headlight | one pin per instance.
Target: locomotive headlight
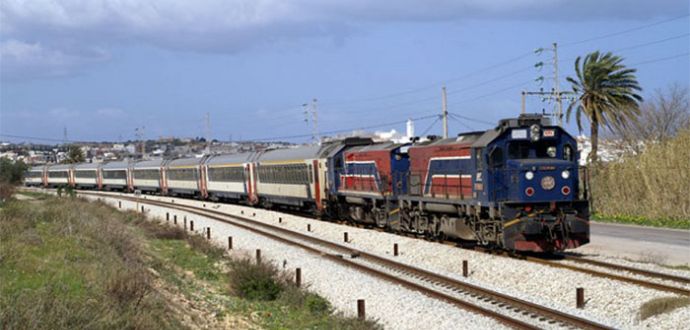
(534, 132)
(529, 175)
(565, 174)
(547, 183)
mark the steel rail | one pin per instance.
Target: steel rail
(636, 281)
(634, 270)
(484, 293)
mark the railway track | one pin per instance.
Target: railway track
(512, 311)
(603, 274)
(643, 272)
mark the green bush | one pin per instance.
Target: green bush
(317, 304)
(256, 281)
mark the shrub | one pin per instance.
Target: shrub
(129, 286)
(662, 305)
(317, 304)
(256, 281)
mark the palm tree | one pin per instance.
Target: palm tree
(606, 94)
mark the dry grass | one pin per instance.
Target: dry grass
(662, 305)
(63, 269)
(650, 188)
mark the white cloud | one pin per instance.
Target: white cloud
(111, 112)
(57, 37)
(21, 60)
(63, 113)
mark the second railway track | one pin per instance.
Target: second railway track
(512, 311)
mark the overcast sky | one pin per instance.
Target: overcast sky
(102, 68)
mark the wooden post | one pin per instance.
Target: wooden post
(229, 242)
(580, 297)
(345, 238)
(167, 216)
(119, 204)
(175, 219)
(464, 268)
(191, 225)
(258, 256)
(361, 312)
(308, 227)
(208, 232)
(298, 277)
(395, 249)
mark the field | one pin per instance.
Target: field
(646, 189)
(69, 263)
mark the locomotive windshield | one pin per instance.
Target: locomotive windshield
(526, 149)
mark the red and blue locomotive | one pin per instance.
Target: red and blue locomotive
(514, 187)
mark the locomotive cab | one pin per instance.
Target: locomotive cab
(532, 181)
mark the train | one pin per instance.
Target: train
(515, 187)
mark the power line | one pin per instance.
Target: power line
(433, 85)
(645, 44)
(653, 42)
(453, 91)
(452, 116)
(35, 138)
(641, 27)
(471, 119)
(290, 137)
(662, 59)
(430, 126)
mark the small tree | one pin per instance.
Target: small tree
(663, 115)
(74, 155)
(12, 172)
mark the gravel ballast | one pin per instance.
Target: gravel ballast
(608, 301)
(392, 305)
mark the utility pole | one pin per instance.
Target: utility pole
(311, 110)
(139, 132)
(444, 109)
(557, 87)
(207, 132)
(555, 93)
(315, 121)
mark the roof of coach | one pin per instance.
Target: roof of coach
(225, 159)
(37, 168)
(190, 161)
(385, 146)
(86, 166)
(299, 153)
(149, 163)
(116, 165)
(58, 167)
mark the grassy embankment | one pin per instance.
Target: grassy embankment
(69, 263)
(649, 189)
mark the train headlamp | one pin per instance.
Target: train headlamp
(547, 183)
(551, 151)
(565, 174)
(529, 175)
(535, 132)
